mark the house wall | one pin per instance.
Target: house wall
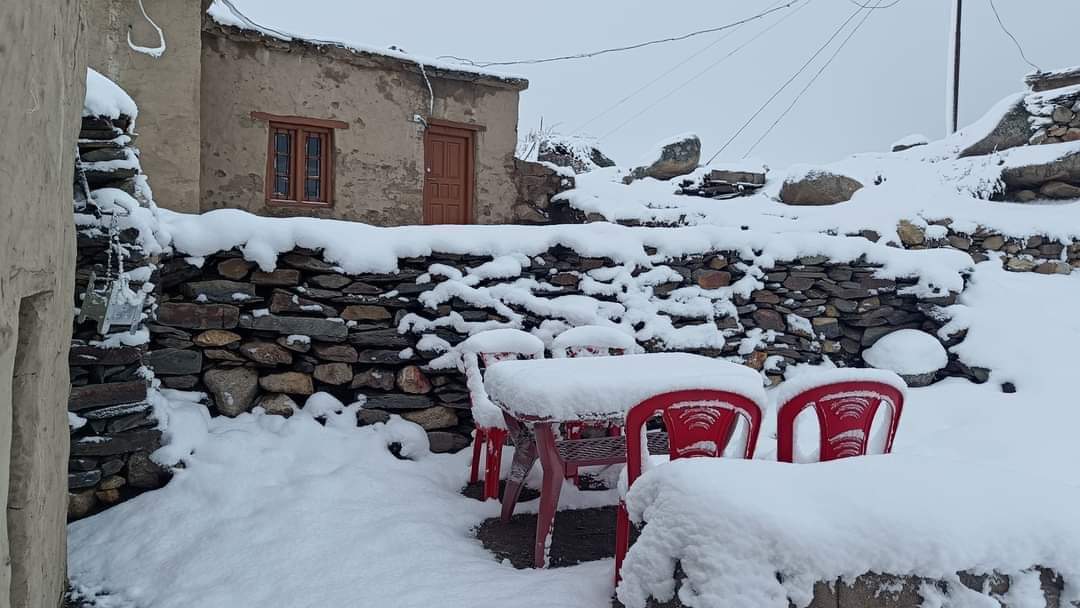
(167, 87)
(380, 156)
(43, 71)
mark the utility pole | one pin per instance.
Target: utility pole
(953, 116)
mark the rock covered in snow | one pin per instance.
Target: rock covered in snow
(909, 142)
(673, 157)
(915, 355)
(579, 154)
(106, 99)
(817, 187)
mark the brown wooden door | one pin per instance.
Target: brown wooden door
(448, 175)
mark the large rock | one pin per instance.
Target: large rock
(1064, 169)
(278, 404)
(581, 156)
(144, 473)
(819, 188)
(292, 383)
(234, 389)
(1011, 130)
(1059, 190)
(676, 157)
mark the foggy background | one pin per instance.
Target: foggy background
(888, 82)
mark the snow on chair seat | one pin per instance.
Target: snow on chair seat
(593, 341)
(847, 402)
(481, 351)
(699, 423)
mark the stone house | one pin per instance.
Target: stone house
(233, 116)
(42, 68)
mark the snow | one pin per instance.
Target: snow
(820, 522)
(105, 98)
(503, 341)
(270, 511)
(593, 336)
(908, 352)
(605, 388)
(809, 380)
(915, 139)
(220, 12)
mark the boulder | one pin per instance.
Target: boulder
(441, 442)
(913, 354)
(581, 156)
(675, 157)
(819, 188)
(144, 473)
(1064, 169)
(1059, 190)
(1012, 130)
(234, 389)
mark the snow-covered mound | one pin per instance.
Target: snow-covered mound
(105, 98)
(907, 352)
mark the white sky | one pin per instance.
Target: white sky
(887, 83)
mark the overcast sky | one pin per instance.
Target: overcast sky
(888, 82)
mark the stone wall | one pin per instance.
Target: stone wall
(873, 590)
(112, 422)
(43, 71)
(250, 338)
(536, 184)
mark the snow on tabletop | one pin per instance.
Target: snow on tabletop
(816, 378)
(223, 15)
(503, 340)
(105, 98)
(261, 239)
(608, 387)
(804, 523)
(593, 335)
(908, 352)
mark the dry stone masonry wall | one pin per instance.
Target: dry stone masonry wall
(250, 337)
(113, 428)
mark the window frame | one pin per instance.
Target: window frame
(300, 128)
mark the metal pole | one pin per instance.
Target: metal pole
(954, 119)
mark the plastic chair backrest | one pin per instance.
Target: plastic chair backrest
(698, 422)
(845, 412)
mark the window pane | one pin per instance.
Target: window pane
(281, 164)
(282, 142)
(313, 166)
(314, 145)
(312, 190)
(281, 186)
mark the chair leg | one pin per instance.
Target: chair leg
(549, 493)
(622, 539)
(496, 438)
(477, 447)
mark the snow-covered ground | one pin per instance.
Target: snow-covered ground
(290, 512)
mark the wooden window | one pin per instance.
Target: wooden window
(300, 160)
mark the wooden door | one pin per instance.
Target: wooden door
(448, 175)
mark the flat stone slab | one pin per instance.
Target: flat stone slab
(302, 326)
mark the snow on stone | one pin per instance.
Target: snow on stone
(824, 521)
(223, 15)
(105, 98)
(908, 352)
(607, 387)
(597, 336)
(657, 149)
(908, 141)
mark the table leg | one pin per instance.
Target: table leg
(524, 457)
(554, 473)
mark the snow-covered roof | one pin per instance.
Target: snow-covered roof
(105, 98)
(222, 14)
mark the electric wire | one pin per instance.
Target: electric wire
(813, 79)
(620, 49)
(783, 86)
(1009, 34)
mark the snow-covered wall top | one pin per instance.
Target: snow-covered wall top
(105, 98)
(223, 14)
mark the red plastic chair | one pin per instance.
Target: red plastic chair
(698, 423)
(845, 411)
(490, 440)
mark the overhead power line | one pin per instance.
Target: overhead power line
(701, 73)
(1009, 34)
(620, 49)
(813, 79)
(891, 4)
(783, 86)
(658, 77)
